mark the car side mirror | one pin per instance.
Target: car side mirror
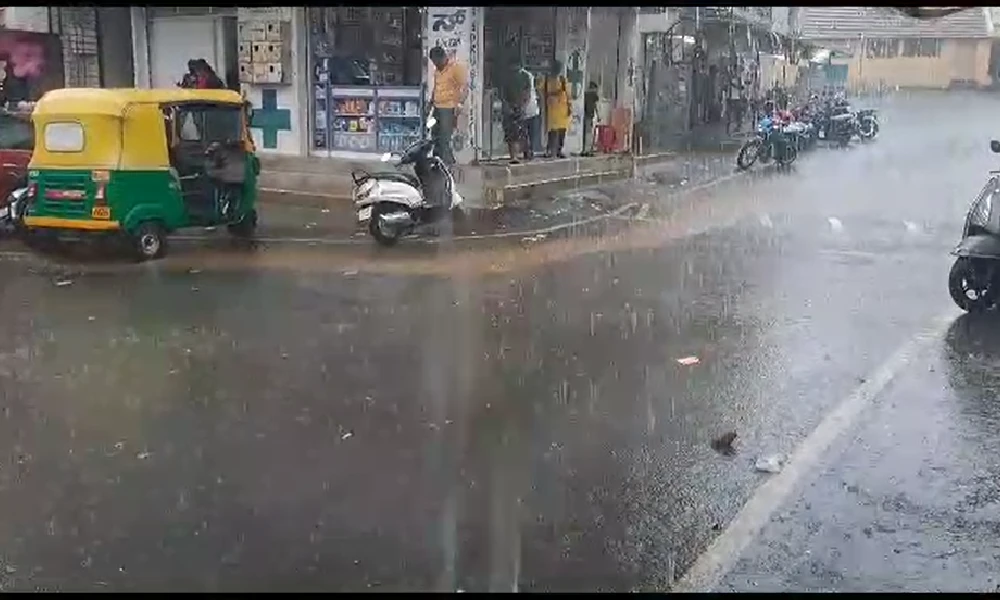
(995, 146)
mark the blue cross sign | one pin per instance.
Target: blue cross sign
(271, 119)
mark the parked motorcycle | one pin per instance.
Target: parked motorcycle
(770, 141)
(798, 129)
(837, 123)
(867, 124)
(394, 204)
(807, 116)
(974, 279)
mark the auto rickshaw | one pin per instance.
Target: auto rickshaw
(141, 163)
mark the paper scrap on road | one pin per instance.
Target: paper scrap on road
(769, 464)
(347, 435)
(351, 272)
(687, 361)
(64, 283)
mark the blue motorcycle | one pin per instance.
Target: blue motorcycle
(770, 142)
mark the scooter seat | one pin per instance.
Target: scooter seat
(398, 176)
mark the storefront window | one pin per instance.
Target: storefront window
(367, 67)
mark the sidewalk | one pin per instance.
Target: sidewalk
(281, 220)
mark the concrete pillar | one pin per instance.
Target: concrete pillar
(280, 122)
(140, 46)
(628, 63)
(572, 38)
(117, 67)
(459, 30)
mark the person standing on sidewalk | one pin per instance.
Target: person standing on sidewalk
(557, 109)
(514, 94)
(451, 88)
(590, 99)
(531, 115)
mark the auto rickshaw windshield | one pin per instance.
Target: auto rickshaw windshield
(216, 123)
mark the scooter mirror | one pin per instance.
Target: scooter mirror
(431, 122)
(387, 157)
(995, 146)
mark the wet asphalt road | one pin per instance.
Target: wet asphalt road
(513, 415)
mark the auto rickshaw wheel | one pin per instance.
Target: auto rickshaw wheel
(150, 241)
(246, 227)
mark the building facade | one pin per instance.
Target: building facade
(352, 82)
(881, 48)
(86, 61)
(703, 69)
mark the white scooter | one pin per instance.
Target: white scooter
(395, 203)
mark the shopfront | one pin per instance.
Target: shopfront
(525, 34)
(366, 70)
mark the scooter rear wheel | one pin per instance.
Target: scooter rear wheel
(384, 234)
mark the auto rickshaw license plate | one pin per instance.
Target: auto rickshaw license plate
(100, 212)
(364, 214)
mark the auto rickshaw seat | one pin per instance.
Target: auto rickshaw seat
(225, 163)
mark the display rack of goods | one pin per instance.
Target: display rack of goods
(399, 118)
(352, 119)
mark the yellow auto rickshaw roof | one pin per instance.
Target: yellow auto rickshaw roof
(115, 101)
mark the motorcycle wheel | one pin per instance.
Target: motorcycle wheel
(385, 236)
(788, 156)
(748, 154)
(867, 130)
(967, 288)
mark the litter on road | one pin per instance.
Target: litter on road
(769, 464)
(687, 361)
(724, 443)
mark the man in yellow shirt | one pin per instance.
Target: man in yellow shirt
(451, 88)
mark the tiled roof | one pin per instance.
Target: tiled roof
(838, 22)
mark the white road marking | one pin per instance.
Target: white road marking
(718, 559)
(835, 224)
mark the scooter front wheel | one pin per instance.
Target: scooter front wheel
(969, 285)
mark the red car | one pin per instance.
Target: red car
(17, 140)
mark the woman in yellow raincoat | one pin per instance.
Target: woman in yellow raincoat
(557, 109)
